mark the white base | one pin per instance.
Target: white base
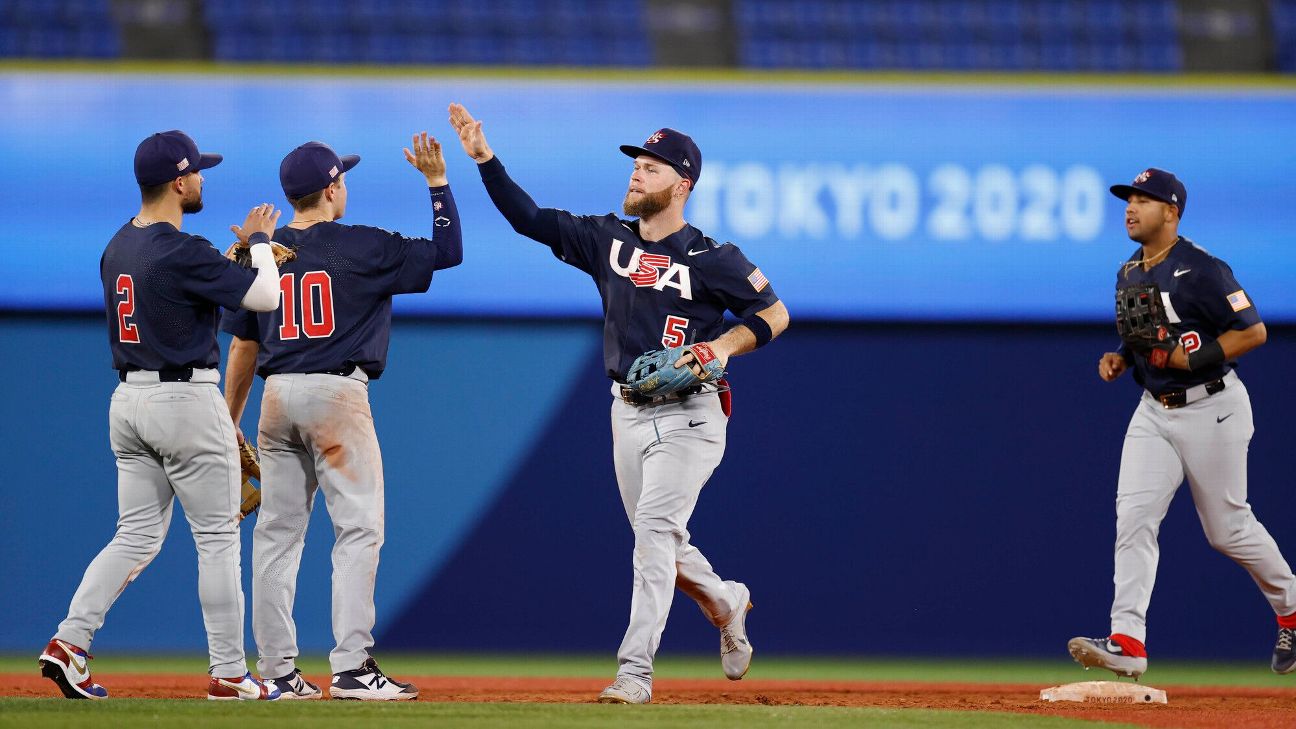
(1105, 692)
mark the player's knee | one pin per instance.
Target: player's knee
(1130, 531)
(357, 535)
(143, 540)
(1227, 534)
(648, 527)
(1225, 540)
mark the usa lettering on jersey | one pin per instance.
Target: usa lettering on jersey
(645, 270)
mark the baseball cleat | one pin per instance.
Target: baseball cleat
(735, 649)
(1106, 653)
(369, 683)
(244, 688)
(1284, 655)
(625, 691)
(69, 667)
(293, 686)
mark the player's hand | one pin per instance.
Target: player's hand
(262, 219)
(470, 134)
(1111, 366)
(688, 358)
(238, 434)
(427, 159)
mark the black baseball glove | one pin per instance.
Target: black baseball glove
(1142, 323)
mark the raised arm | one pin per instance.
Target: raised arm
(256, 231)
(517, 207)
(426, 157)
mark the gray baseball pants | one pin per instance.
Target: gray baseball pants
(172, 440)
(316, 431)
(663, 455)
(1205, 441)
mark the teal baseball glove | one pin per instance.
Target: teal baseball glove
(654, 374)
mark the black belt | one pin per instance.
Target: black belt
(1179, 398)
(184, 374)
(634, 398)
(346, 371)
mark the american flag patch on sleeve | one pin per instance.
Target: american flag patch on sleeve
(1238, 300)
(759, 282)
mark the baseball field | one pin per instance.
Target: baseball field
(546, 690)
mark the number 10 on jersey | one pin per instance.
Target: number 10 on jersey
(315, 295)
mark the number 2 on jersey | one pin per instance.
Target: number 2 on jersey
(316, 299)
(126, 333)
(673, 334)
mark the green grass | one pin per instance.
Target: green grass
(51, 714)
(962, 670)
(665, 75)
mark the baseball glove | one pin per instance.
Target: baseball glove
(654, 373)
(251, 470)
(1142, 323)
(241, 253)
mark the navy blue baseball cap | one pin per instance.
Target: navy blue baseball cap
(168, 155)
(1157, 184)
(674, 148)
(311, 168)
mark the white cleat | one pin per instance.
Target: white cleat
(369, 683)
(735, 650)
(1102, 653)
(625, 691)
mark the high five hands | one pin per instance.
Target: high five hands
(427, 159)
(470, 134)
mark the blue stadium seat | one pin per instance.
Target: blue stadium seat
(1105, 19)
(283, 45)
(1059, 55)
(48, 42)
(1154, 19)
(1165, 56)
(1111, 55)
(11, 41)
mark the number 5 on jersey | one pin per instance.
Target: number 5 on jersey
(673, 334)
(314, 299)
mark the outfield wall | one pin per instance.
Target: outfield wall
(940, 490)
(867, 200)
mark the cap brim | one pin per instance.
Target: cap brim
(207, 161)
(349, 161)
(632, 151)
(1124, 191)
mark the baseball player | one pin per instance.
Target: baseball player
(171, 438)
(663, 284)
(317, 354)
(1193, 421)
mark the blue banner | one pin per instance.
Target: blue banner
(867, 201)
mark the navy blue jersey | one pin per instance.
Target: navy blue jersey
(662, 293)
(335, 298)
(161, 291)
(655, 294)
(1202, 299)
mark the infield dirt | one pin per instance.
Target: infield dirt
(1191, 707)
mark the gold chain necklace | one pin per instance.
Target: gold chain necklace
(1147, 262)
